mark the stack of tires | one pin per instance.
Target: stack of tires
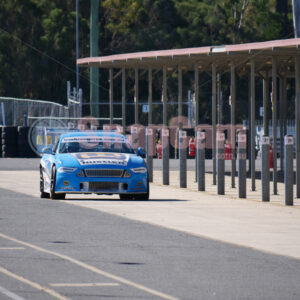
(23, 144)
(9, 141)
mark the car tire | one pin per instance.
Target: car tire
(126, 196)
(53, 195)
(42, 193)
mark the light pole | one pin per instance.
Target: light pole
(77, 57)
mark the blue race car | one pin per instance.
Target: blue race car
(93, 162)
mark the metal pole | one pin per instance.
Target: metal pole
(201, 160)
(233, 135)
(164, 95)
(281, 112)
(296, 18)
(149, 131)
(182, 158)
(274, 118)
(214, 116)
(165, 132)
(134, 136)
(14, 114)
(289, 169)
(196, 90)
(150, 152)
(25, 122)
(265, 103)
(180, 97)
(94, 52)
(150, 95)
(3, 114)
(111, 96)
(284, 105)
(220, 163)
(253, 124)
(77, 45)
(165, 155)
(265, 168)
(136, 95)
(124, 100)
(242, 156)
(219, 114)
(80, 103)
(297, 118)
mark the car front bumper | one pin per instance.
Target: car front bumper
(71, 183)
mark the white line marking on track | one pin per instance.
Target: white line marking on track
(34, 284)
(83, 284)
(93, 269)
(10, 294)
(12, 248)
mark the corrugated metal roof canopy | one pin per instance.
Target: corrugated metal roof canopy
(284, 50)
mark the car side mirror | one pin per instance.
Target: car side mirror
(141, 152)
(47, 150)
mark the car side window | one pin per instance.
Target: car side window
(55, 146)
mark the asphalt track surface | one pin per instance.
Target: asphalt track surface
(53, 250)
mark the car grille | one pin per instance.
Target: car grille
(116, 173)
(103, 186)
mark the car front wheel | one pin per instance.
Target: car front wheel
(53, 194)
(42, 193)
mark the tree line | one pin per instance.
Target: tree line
(38, 42)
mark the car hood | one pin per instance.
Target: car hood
(100, 158)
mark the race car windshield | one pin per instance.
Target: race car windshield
(95, 144)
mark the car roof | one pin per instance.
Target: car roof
(93, 133)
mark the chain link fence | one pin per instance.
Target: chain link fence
(15, 111)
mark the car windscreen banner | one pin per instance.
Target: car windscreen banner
(98, 158)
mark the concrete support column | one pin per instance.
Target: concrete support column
(165, 155)
(214, 117)
(242, 157)
(274, 122)
(220, 163)
(182, 158)
(265, 168)
(111, 96)
(134, 137)
(289, 169)
(200, 143)
(136, 95)
(297, 118)
(150, 151)
(124, 100)
(233, 112)
(252, 138)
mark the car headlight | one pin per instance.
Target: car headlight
(139, 170)
(66, 170)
